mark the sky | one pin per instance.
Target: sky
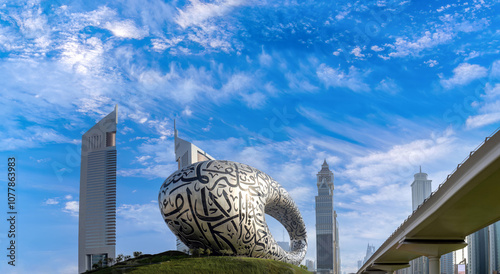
(377, 88)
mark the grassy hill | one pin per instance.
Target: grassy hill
(178, 262)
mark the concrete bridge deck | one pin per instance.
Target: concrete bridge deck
(467, 201)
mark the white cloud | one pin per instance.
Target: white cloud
(83, 56)
(482, 120)
(264, 58)
(30, 137)
(51, 201)
(126, 29)
(357, 52)
(198, 12)
(403, 47)
(377, 48)
(489, 108)
(142, 159)
(332, 77)
(388, 85)
(495, 70)
(68, 197)
(431, 63)
(254, 100)
(385, 167)
(71, 207)
(143, 217)
(464, 74)
(187, 111)
(342, 14)
(150, 172)
(162, 127)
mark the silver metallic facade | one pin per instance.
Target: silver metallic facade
(186, 154)
(97, 208)
(221, 206)
(327, 234)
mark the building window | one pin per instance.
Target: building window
(110, 139)
(202, 157)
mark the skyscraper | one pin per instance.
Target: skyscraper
(478, 252)
(310, 265)
(494, 242)
(185, 154)
(97, 215)
(421, 189)
(370, 249)
(327, 236)
(447, 263)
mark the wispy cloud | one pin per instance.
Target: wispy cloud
(198, 12)
(51, 201)
(385, 167)
(403, 47)
(489, 108)
(332, 77)
(143, 217)
(31, 137)
(71, 207)
(388, 85)
(126, 29)
(463, 74)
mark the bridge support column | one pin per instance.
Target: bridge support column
(434, 265)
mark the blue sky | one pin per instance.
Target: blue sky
(378, 88)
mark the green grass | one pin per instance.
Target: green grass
(176, 262)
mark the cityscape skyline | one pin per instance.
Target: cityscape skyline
(378, 88)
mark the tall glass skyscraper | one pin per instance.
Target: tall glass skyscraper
(327, 234)
(97, 216)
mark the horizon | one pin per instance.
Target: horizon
(375, 88)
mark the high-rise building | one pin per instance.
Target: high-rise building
(482, 252)
(370, 249)
(185, 154)
(478, 254)
(284, 245)
(494, 242)
(421, 189)
(447, 263)
(97, 214)
(327, 236)
(310, 265)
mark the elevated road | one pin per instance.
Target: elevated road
(467, 201)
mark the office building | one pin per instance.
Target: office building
(97, 209)
(494, 243)
(284, 245)
(421, 189)
(310, 265)
(447, 263)
(327, 237)
(186, 154)
(370, 249)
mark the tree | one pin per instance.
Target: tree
(95, 266)
(137, 254)
(208, 251)
(195, 252)
(127, 257)
(111, 261)
(119, 258)
(303, 266)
